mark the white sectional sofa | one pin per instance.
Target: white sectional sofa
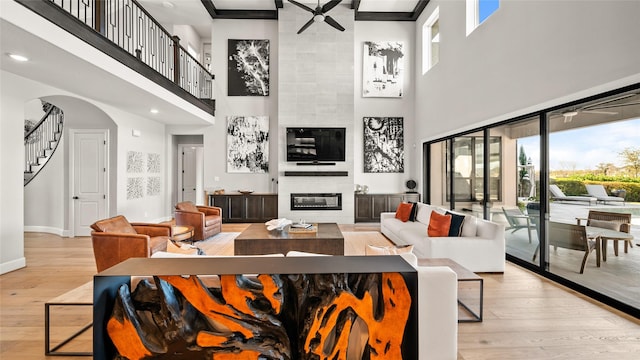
(480, 248)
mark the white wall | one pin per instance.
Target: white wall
(149, 208)
(395, 107)
(523, 58)
(188, 36)
(215, 141)
(13, 95)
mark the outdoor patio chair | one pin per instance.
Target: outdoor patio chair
(518, 220)
(573, 237)
(558, 195)
(600, 193)
(614, 221)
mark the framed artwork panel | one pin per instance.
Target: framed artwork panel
(383, 145)
(247, 144)
(248, 67)
(383, 69)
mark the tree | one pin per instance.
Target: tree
(604, 168)
(631, 158)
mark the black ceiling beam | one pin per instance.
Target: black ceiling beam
(208, 4)
(279, 4)
(240, 14)
(384, 16)
(417, 11)
(355, 4)
(248, 14)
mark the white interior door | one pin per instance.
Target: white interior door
(191, 184)
(89, 174)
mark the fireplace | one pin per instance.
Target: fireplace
(316, 201)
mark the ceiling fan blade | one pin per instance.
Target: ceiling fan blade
(610, 106)
(330, 5)
(301, 6)
(600, 112)
(305, 26)
(329, 20)
(598, 104)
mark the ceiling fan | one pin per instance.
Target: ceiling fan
(597, 108)
(319, 14)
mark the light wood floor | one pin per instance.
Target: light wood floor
(526, 317)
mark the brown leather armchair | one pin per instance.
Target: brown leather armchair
(116, 239)
(206, 220)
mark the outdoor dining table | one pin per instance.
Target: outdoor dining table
(603, 235)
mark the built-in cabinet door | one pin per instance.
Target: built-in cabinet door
(394, 201)
(270, 207)
(236, 208)
(253, 208)
(379, 204)
(363, 208)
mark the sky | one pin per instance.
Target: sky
(585, 148)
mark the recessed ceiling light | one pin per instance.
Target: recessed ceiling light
(154, 111)
(17, 57)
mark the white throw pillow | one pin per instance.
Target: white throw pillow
(424, 213)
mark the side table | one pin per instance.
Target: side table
(80, 296)
(181, 232)
(466, 281)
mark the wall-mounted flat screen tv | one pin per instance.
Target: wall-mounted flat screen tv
(315, 144)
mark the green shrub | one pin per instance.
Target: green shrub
(601, 179)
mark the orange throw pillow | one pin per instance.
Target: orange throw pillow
(403, 211)
(439, 225)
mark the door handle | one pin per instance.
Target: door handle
(75, 198)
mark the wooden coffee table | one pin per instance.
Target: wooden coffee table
(257, 240)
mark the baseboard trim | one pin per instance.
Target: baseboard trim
(48, 230)
(13, 265)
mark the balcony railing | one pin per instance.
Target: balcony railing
(132, 28)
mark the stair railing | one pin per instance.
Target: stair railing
(128, 25)
(41, 141)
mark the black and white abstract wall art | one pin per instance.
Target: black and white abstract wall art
(135, 162)
(153, 185)
(248, 66)
(383, 69)
(135, 186)
(153, 163)
(247, 144)
(383, 145)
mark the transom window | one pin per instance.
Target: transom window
(431, 41)
(478, 11)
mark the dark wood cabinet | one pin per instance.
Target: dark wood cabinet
(251, 208)
(369, 206)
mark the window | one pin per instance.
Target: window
(478, 11)
(431, 41)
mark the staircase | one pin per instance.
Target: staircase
(41, 141)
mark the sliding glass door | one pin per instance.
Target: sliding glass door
(565, 182)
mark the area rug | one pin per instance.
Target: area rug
(355, 242)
